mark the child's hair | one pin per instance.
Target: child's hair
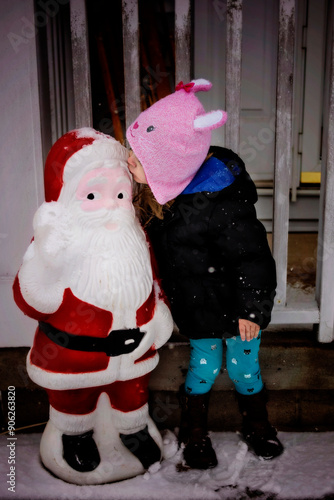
(146, 205)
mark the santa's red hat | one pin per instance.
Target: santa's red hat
(76, 149)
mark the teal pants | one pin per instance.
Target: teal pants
(242, 364)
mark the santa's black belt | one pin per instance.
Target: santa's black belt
(118, 341)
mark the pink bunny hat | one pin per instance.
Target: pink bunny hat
(171, 139)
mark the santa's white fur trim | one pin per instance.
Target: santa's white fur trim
(88, 157)
(130, 422)
(72, 424)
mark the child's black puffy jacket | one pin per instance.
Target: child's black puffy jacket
(214, 259)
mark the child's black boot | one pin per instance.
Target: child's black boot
(256, 429)
(198, 452)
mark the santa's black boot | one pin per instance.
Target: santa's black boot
(80, 451)
(198, 452)
(143, 446)
(258, 433)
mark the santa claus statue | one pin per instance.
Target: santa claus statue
(87, 278)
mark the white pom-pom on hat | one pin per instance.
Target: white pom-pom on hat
(201, 85)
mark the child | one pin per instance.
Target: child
(214, 259)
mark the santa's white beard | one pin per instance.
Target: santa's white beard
(112, 269)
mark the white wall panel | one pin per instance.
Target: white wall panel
(21, 174)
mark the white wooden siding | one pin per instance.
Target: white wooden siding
(21, 173)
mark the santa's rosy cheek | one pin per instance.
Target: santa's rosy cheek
(127, 205)
(90, 195)
(122, 197)
(90, 205)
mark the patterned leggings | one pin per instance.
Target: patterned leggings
(242, 363)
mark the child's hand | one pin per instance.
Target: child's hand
(248, 330)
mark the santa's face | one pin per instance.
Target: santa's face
(108, 191)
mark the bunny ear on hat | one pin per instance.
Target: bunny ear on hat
(211, 120)
(207, 121)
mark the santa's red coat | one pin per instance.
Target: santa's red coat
(80, 318)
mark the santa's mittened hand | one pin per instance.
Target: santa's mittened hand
(52, 231)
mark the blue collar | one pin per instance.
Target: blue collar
(213, 175)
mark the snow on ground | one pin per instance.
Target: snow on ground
(304, 471)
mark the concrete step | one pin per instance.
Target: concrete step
(297, 370)
(294, 411)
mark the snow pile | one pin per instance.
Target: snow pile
(304, 471)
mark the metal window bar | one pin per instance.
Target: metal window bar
(233, 73)
(131, 60)
(54, 80)
(182, 41)
(81, 70)
(287, 309)
(283, 151)
(59, 76)
(325, 257)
